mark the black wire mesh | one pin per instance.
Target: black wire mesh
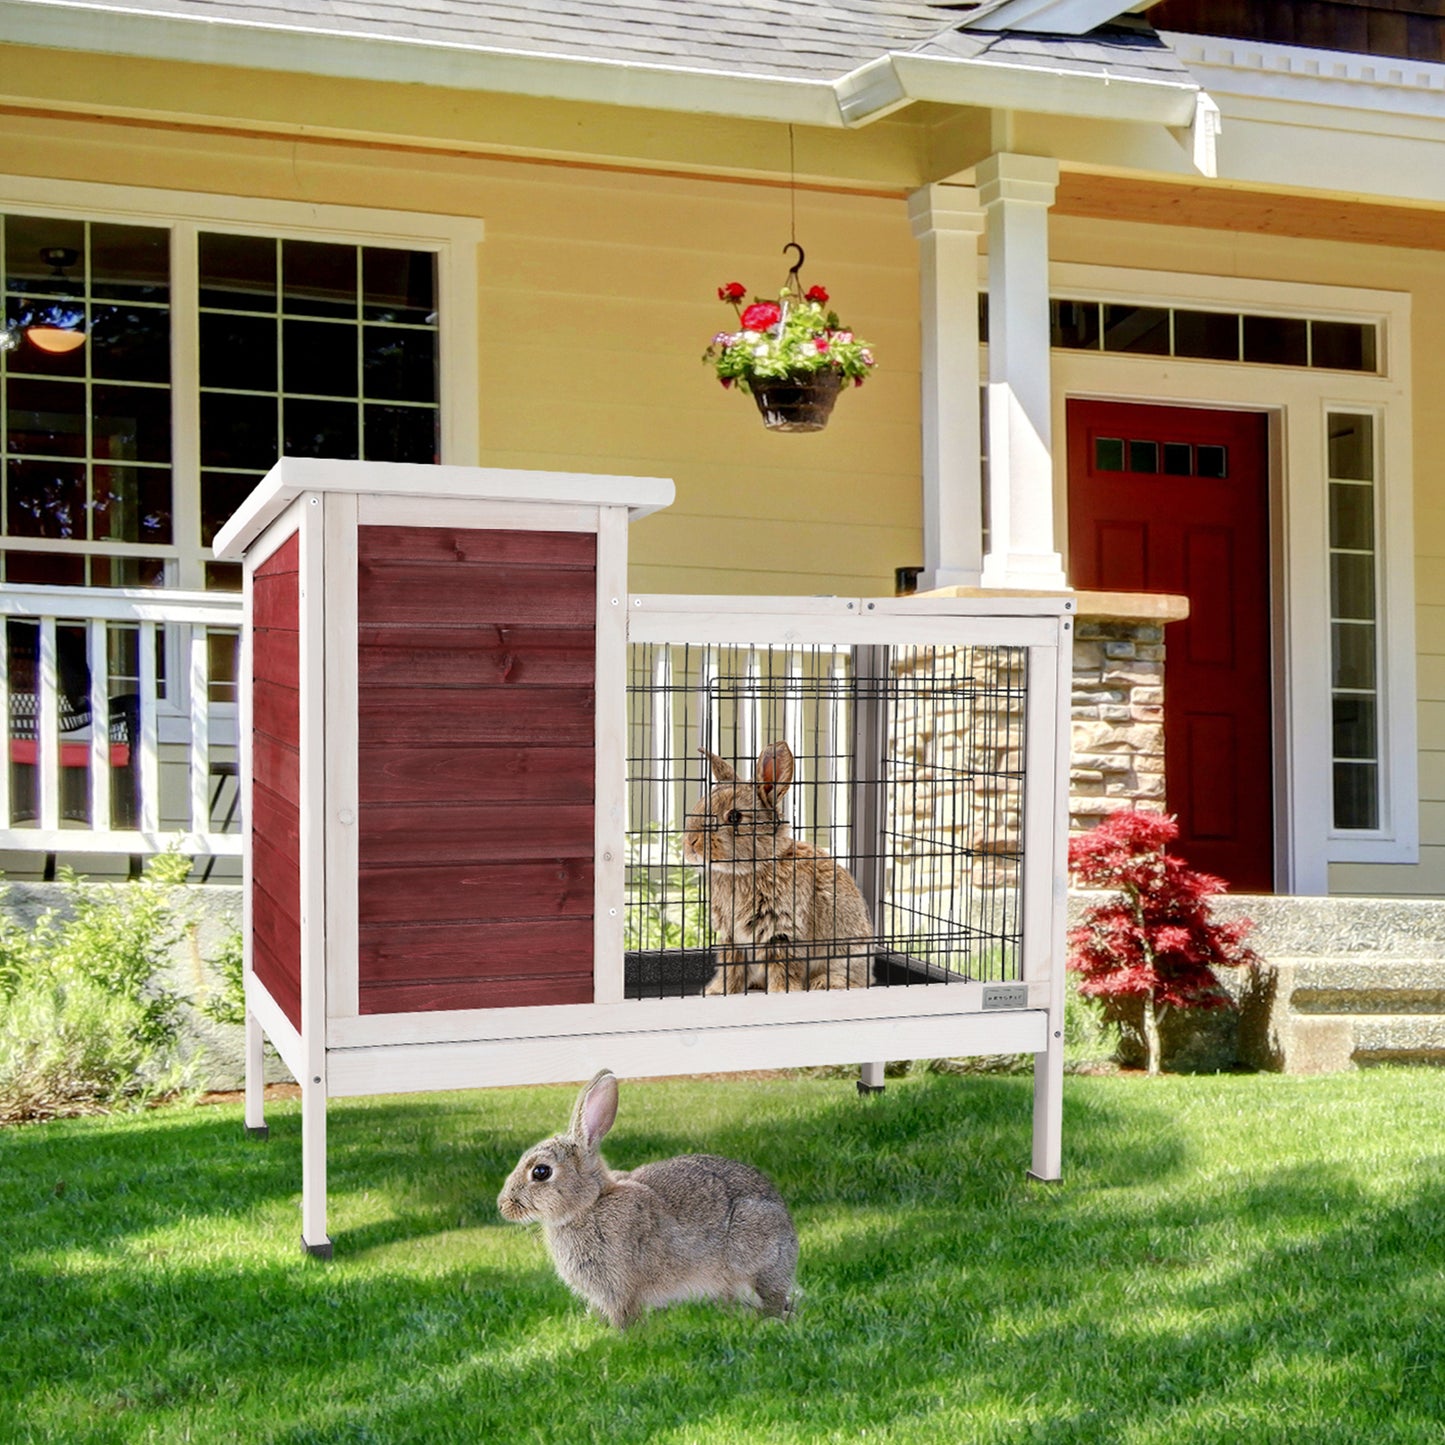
(858, 823)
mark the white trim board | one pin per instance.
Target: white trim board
(1297, 401)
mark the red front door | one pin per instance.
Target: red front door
(1176, 499)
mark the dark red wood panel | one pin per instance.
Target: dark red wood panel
(531, 990)
(487, 547)
(485, 892)
(469, 594)
(556, 656)
(402, 952)
(508, 716)
(1206, 537)
(477, 832)
(274, 821)
(476, 668)
(477, 774)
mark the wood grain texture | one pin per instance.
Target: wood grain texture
(555, 988)
(499, 656)
(1219, 208)
(476, 663)
(407, 953)
(488, 548)
(401, 833)
(275, 820)
(480, 893)
(397, 717)
(458, 773)
(423, 594)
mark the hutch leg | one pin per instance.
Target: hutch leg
(870, 1078)
(256, 1125)
(1048, 1164)
(314, 1239)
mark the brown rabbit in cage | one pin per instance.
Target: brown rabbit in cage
(786, 915)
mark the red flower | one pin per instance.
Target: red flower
(818, 294)
(733, 292)
(821, 342)
(761, 316)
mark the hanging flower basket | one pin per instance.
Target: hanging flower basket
(798, 403)
(793, 354)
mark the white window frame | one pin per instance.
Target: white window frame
(1297, 401)
(455, 240)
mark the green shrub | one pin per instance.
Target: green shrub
(84, 1021)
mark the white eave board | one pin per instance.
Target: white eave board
(293, 476)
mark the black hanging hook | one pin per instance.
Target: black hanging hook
(795, 282)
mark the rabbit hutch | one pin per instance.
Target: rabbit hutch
(507, 824)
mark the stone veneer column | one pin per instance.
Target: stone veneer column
(1118, 705)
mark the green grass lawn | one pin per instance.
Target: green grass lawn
(1232, 1259)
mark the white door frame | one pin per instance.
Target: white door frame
(1297, 401)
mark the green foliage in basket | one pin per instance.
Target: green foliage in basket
(794, 336)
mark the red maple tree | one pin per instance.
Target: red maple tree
(1152, 940)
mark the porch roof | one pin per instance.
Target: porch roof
(814, 61)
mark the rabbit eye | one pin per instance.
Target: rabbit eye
(541, 1172)
(734, 817)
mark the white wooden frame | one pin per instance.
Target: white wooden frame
(340, 1052)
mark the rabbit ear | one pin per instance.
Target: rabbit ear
(722, 770)
(775, 772)
(595, 1111)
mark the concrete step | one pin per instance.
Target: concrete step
(1320, 1014)
(1362, 984)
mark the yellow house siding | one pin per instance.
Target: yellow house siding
(597, 296)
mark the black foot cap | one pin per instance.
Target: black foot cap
(866, 1089)
(258, 1131)
(317, 1251)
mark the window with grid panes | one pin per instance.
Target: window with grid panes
(306, 348)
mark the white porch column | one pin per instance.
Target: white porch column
(947, 223)
(1016, 192)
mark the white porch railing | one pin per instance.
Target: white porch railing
(116, 739)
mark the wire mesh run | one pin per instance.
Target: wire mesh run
(812, 817)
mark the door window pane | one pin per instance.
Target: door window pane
(1109, 454)
(1211, 461)
(1355, 662)
(1343, 346)
(1352, 447)
(1276, 341)
(1207, 335)
(1352, 516)
(1137, 329)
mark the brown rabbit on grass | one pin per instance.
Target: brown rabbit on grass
(786, 915)
(695, 1227)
